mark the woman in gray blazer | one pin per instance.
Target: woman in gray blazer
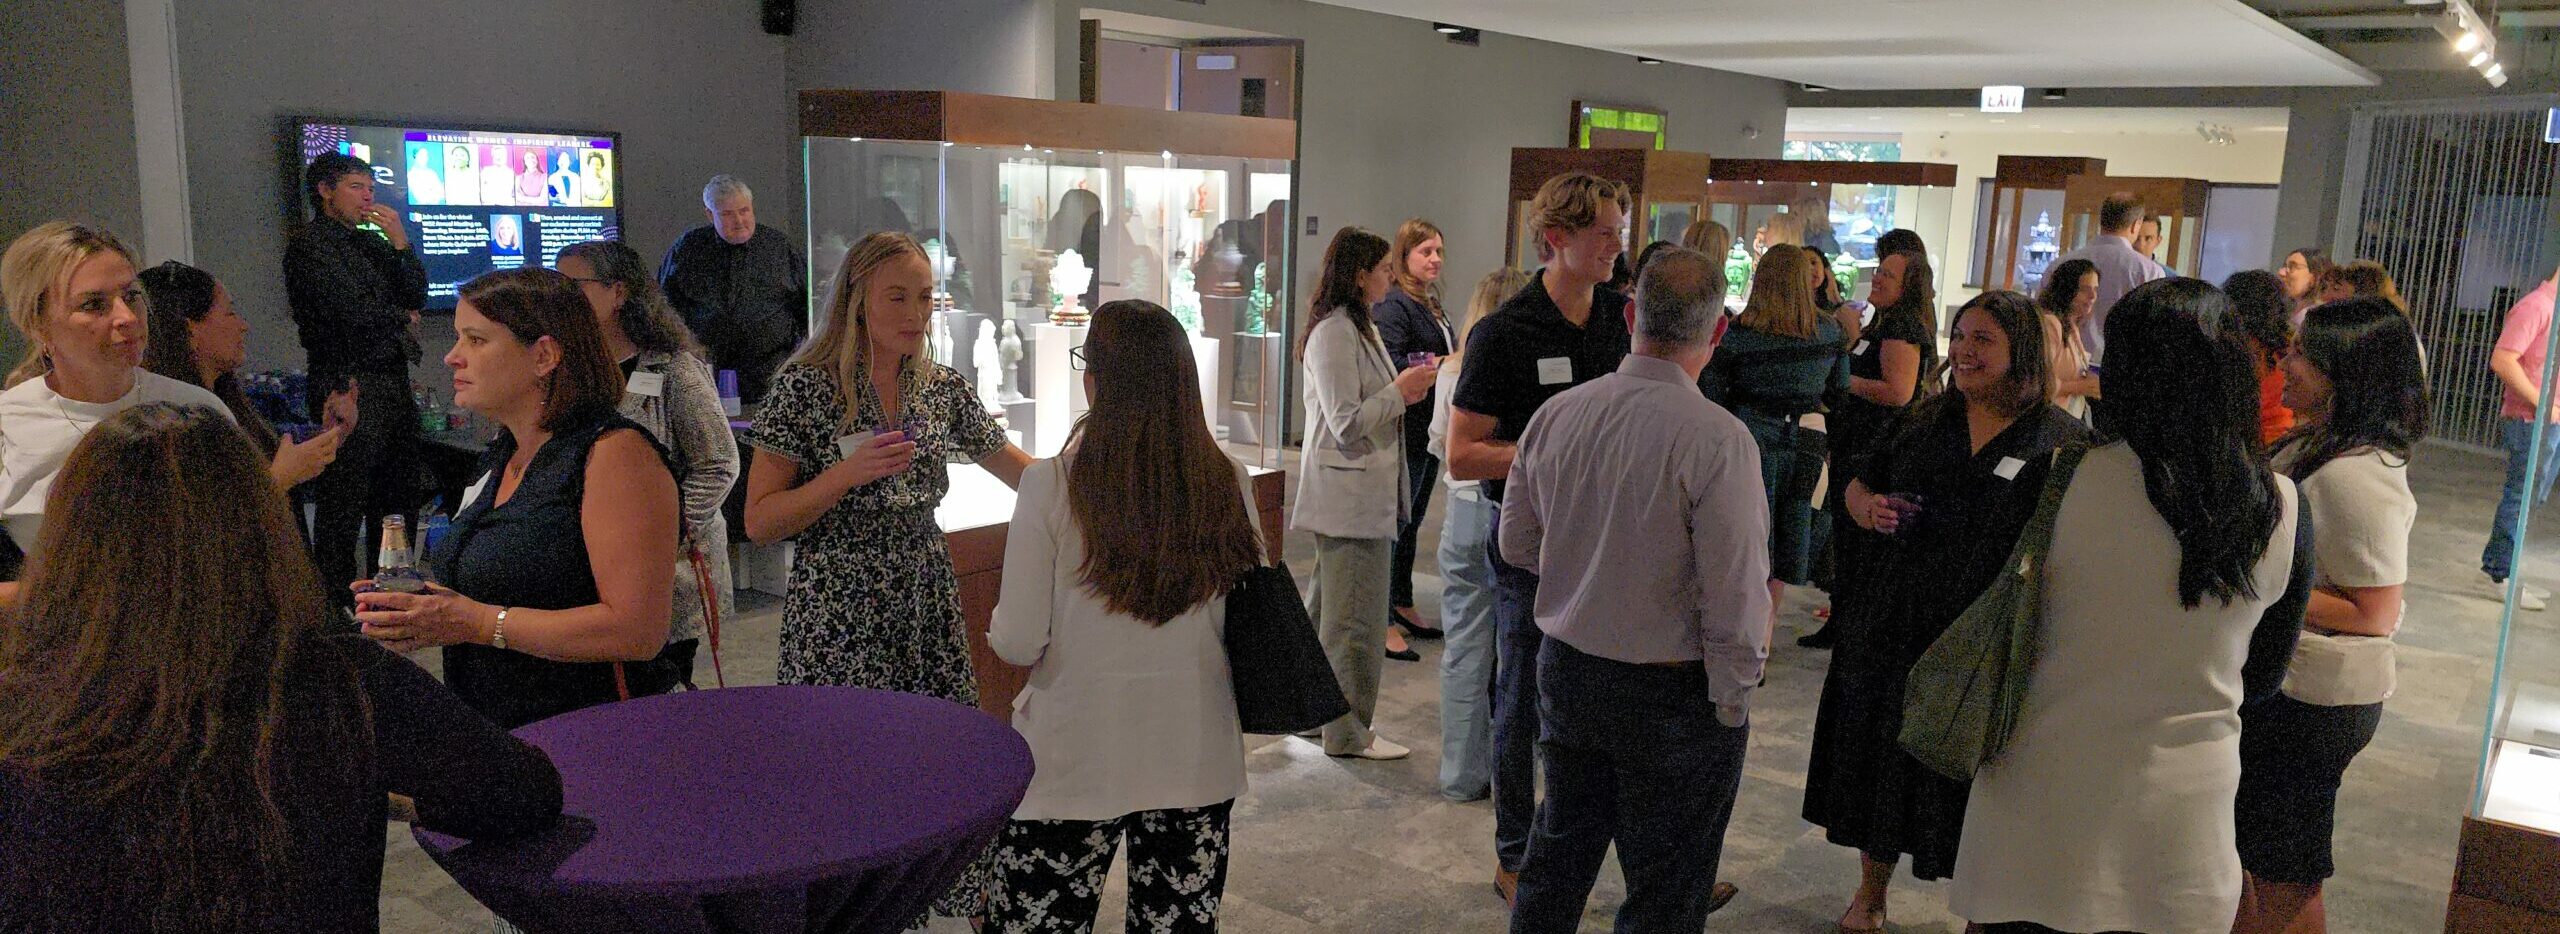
(1351, 477)
(670, 391)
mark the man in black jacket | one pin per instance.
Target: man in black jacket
(355, 295)
(740, 285)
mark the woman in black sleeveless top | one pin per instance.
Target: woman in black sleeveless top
(556, 568)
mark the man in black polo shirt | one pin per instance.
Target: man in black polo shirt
(1561, 331)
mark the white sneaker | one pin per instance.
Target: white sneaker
(2529, 598)
(1380, 750)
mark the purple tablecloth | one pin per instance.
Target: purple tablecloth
(752, 810)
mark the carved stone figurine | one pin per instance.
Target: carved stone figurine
(984, 359)
(1009, 360)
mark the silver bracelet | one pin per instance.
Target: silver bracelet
(498, 633)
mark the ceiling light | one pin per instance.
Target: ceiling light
(2470, 40)
(2477, 57)
(1647, 60)
(1447, 29)
(2055, 94)
(1816, 89)
(1461, 35)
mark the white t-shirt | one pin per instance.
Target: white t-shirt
(38, 429)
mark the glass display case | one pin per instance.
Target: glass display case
(2507, 867)
(2017, 230)
(1857, 202)
(1667, 189)
(2177, 203)
(1036, 212)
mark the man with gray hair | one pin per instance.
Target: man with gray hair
(1638, 503)
(741, 286)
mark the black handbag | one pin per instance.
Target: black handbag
(1283, 682)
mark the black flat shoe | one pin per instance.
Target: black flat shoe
(1408, 655)
(1818, 639)
(1413, 630)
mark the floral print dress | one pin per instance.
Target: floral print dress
(873, 600)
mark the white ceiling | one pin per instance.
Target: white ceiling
(1910, 44)
(2132, 121)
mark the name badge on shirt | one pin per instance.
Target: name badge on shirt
(1861, 348)
(2009, 467)
(646, 383)
(1553, 370)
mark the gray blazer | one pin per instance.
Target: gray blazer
(685, 416)
(1351, 474)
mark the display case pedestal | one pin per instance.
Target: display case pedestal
(2506, 880)
(1204, 357)
(1057, 390)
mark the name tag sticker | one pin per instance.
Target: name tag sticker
(1553, 370)
(647, 384)
(1861, 348)
(2009, 467)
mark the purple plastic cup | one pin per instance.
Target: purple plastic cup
(728, 384)
(1419, 358)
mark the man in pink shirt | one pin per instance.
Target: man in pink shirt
(2518, 362)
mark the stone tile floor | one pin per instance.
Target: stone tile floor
(1330, 845)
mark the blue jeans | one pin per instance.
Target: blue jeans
(1515, 706)
(1635, 757)
(2498, 559)
(1466, 658)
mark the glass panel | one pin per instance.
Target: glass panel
(2239, 231)
(2020, 234)
(2519, 779)
(1669, 221)
(1524, 255)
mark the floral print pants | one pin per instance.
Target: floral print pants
(1049, 872)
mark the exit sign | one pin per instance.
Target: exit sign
(2003, 99)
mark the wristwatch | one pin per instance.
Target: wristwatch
(498, 633)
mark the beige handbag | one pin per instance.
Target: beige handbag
(2340, 670)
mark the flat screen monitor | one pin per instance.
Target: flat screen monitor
(476, 199)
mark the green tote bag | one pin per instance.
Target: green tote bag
(1964, 693)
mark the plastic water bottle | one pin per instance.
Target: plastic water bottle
(729, 402)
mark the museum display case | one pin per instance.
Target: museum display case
(2177, 203)
(2017, 225)
(2507, 867)
(1859, 202)
(1667, 190)
(1036, 212)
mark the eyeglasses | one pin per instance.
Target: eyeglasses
(586, 281)
(1075, 358)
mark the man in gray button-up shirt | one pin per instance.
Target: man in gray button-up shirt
(1639, 505)
(2120, 266)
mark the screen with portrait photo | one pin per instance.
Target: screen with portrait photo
(474, 199)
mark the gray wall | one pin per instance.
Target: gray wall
(695, 88)
(66, 117)
(1401, 123)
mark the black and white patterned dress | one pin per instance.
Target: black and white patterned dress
(873, 600)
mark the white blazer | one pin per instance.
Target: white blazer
(1121, 716)
(1351, 478)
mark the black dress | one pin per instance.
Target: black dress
(531, 553)
(1853, 426)
(1860, 786)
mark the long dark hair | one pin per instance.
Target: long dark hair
(645, 316)
(1900, 240)
(2377, 389)
(1164, 522)
(2061, 285)
(2261, 312)
(182, 295)
(1352, 254)
(170, 714)
(2030, 378)
(2181, 392)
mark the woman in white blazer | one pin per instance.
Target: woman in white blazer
(1117, 566)
(1351, 477)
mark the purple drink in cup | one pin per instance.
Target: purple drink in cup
(1419, 358)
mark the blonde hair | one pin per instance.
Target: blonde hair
(1572, 202)
(38, 267)
(1781, 298)
(842, 346)
(1494, 289)
(1708, 237)
(1784, 228)
(1412, 234)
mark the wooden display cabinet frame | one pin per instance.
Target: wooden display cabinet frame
(2011, 178)
(988, 120)
(2083, 195)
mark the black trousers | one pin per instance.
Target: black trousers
(375, 475)
(1049, 872)
(1635, 758)
(1421, 471)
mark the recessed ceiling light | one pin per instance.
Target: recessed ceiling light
(1447, 29)
(1647, 60)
